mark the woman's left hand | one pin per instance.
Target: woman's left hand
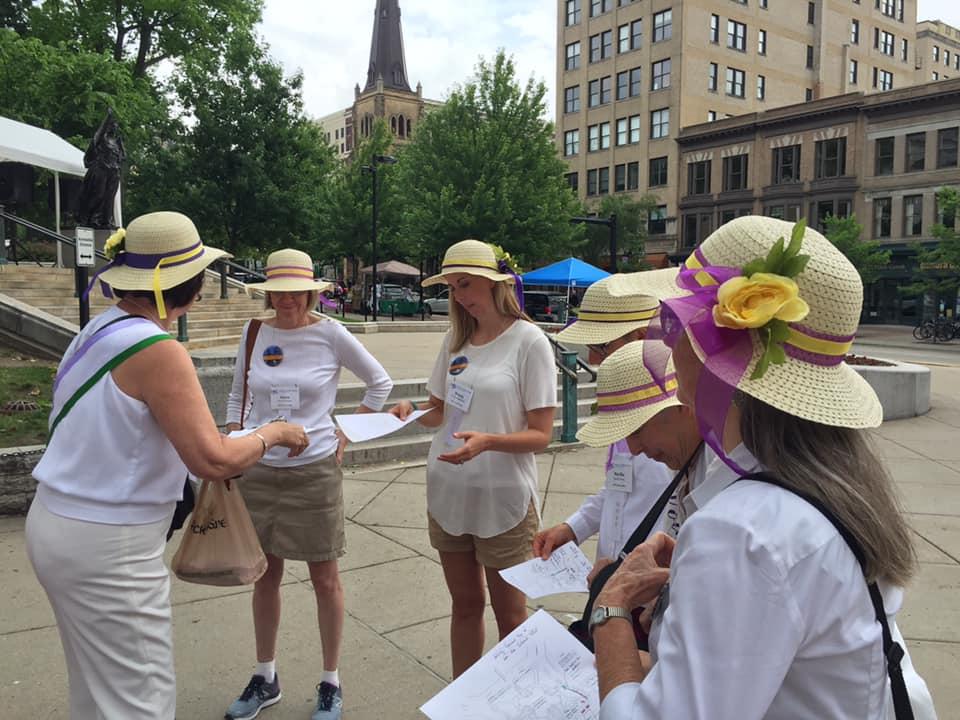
(475, 443)
(341, 446)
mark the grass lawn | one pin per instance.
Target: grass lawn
(25, 378)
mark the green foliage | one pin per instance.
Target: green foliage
(23, 379)
(939, 272)
(786, 261)
(867, 256)
(485, 166)
(632, 216)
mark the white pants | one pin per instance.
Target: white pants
(110, 592)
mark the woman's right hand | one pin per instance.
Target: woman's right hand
(286, 435)
(546, 541)
(402, 409)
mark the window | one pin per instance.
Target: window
(881, 217)
(593, 138)
(604, 135)
(886, 7)
(598, 7)
(593, 93)
(948, 220)
(633, 176)
(735, 82)
(808, 94)
(660, 124)
(571, 99)
(762, 42)
(761, 87)
(601, 46)
(696, 228)
(853, 72)
(603, 181)
(619, 178)
(855, 32)
(628, 130)
(591, 182)
(714, 28)
(635, 82)
(736, 35)
(623, 85)
(623, 39)
(571, 142)
(605, 89)
(956, 61)
(883, 79)
(883, 41)
(660, 75)
(935, 75)
(916, 152)
(622, 131)
(883, 156)
(658, 172)
(947, 148)
(811, 13)
(662, 25)
(830, 158)
(735, 173)
(711, 115)
(657, 221)
(786, 165)
(763, 4)
(936, 53)
(809, 56)
(573, 181)
(634, 129)
(712, 77)
(573, 12)
(790, 213)
(903, 49)
(913, 215)
(573, 56)
(698, 178)
(946, 58)
(626, 177)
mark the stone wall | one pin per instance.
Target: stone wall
(17, 485)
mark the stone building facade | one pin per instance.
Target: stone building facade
(938, 51)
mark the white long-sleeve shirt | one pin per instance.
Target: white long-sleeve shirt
(310, 359)
(615, 514)
(768, 616)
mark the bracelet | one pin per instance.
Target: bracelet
(263, 440)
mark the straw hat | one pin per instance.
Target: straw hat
(814, 383)
(472, 257)
(158, 250)
(289, 270)
(617, 305)
(627, 397)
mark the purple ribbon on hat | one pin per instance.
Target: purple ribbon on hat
(143, 261)
(503, 267)
(727, 352)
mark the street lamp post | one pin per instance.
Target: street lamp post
(611, 223)
(372, 169)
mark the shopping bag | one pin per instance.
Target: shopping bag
(219, 545)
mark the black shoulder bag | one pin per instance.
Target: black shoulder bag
(580, 628)
(891, 650)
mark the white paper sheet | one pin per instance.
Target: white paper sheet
(367, 426)
(564, 571)
(538, 672)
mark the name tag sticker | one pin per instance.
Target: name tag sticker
(285, 397)
(620, 476)
(459, 396)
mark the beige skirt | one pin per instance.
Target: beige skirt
(297, 511)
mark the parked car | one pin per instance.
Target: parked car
(439, 305)
(545, 307)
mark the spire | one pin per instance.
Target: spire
(386, 49)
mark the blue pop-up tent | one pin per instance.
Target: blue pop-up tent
(569, 273)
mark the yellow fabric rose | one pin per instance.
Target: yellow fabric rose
(114, 243)
(754, 301)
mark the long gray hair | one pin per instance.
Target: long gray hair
(839, 467)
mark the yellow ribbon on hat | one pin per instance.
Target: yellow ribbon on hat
(644, 393)
(182, 257)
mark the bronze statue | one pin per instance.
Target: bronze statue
(102, 160)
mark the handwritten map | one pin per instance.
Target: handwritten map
(538, 672)
(564, 571)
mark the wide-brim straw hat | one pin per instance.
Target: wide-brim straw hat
(627, 397)
(814, 383)
(617, 305)
(661, 284)
(472, 257)
(160, 250)
(289, 270)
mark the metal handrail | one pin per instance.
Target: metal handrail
(581, 365)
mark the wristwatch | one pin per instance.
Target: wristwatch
(602, 613)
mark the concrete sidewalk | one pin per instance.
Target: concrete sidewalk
(395, 653)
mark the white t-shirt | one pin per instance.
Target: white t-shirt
(509, 376)
(302, 367)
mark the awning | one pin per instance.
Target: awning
(568, 273)
(392, 267)
(35, 146)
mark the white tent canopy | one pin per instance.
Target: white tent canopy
(35, 146)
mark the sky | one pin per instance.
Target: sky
(329, 40)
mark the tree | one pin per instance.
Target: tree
(632, 216)
(939, 266)
(485, 166)
(865, 255)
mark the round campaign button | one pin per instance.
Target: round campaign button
(458, 364)
(273, 355)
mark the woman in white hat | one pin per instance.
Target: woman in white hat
(492, 396)
(129, 419)
(786, 577)
(633, 482)
(289, 365)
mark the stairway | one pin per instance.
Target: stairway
(211, 322)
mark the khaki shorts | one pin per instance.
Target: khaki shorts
(297, 511)
(500, 551)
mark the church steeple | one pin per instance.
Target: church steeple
(386, 49)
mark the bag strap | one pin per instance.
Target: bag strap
(252, 331)
(892, 651)
(95, 378)
(646, 525)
